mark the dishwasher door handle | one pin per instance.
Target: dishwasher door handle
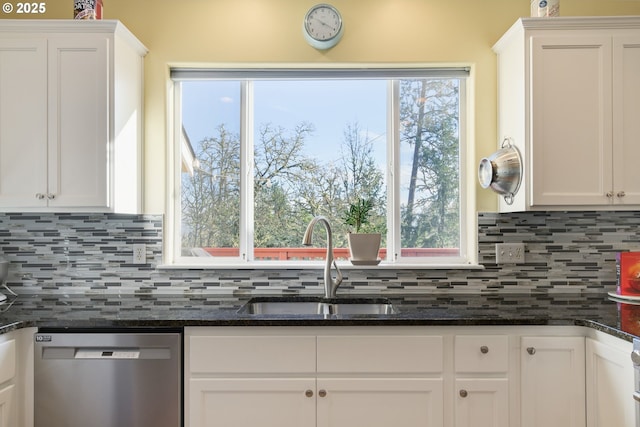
(106, 353)
(110, 353)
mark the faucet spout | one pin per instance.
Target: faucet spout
(330, 284)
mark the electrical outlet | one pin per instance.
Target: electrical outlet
(139, 253)
(509, 253)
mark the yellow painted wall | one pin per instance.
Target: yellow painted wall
(376, 31)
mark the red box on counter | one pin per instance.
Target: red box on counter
(629, 318)
(628, 272)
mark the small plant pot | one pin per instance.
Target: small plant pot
(364, 246)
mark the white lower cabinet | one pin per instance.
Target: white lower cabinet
(379, 402)
(552, 381)
(8, 402)
(482, 402)
(481, 365)
(7, 406)
(325, 377)
(379, 378)
(494, 376)
(610, 383)
(240, 402)
(16, 378)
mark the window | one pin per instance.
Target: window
(257, 153)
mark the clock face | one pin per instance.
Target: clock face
(323, 26)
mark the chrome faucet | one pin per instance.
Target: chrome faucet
(330, 285)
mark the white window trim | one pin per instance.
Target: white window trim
(468, 229)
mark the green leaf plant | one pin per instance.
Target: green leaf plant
(358, 213)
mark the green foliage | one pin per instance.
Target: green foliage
(358, 213)
(430, 215)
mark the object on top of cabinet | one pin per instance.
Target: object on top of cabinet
(569, 96)
(70, 116)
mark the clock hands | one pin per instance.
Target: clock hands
(321, 21)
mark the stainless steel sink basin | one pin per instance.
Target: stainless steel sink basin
(284, 307)
(363, 308)
(302, 306)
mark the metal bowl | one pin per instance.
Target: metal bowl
(502, 171)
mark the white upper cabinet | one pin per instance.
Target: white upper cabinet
(569, 98)
(23, 118)
(70, 116)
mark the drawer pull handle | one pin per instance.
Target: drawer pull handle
(322, 393)
(308, 393)
(484, 349)
(463, 393)
(531, 350)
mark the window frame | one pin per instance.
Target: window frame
(468, 221)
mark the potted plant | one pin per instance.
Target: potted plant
(363, 247)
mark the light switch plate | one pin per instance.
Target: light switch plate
(509, 253)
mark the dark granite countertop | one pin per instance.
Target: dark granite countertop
(162, 311)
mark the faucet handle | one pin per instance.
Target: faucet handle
(338, 279)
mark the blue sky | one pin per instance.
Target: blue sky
(329, 106)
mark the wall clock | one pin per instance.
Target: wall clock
(322, 26)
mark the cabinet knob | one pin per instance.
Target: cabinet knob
(484, 349)
(322, 393)
(635, 357)
(463, 393)
(51, 196)
(609, 194)
(531, 350)
(308, 393)
(621, 194)
(40, 196)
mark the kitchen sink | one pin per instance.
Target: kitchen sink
(304, 306)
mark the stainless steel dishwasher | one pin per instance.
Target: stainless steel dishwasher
(108, 379)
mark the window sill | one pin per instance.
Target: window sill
(344, 265)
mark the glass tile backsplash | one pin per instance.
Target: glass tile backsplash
(79, 253)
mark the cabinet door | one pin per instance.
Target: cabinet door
(264, 402)
(552, 382)
(380, 402)
(482, 402)
(626, 126)
(23, 122)
(610, 386)
(7, 407)
(78, 122)
(571, 121)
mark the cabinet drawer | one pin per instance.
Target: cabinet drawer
(484, 353)
(7, 360)
(380, 354)
(252, 354)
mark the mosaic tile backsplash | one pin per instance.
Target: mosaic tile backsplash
(92, 253)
